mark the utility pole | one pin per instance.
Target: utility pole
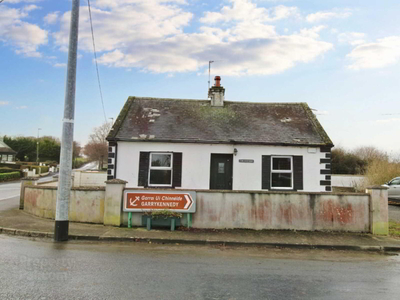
(37, 146)
(64, 186)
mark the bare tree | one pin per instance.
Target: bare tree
(96, 148)
(100, 133)
(370, 154)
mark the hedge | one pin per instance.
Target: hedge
(11, 166)
(44, 169)
(10, 176)
(6, 170)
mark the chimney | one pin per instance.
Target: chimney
(217, 93)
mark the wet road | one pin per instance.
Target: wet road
(82, 270)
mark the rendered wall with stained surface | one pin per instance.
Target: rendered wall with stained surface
(299, 211)
(86, 205)
(226, 209)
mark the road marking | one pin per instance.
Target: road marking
(9, 197)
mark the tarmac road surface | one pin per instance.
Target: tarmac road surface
(42, 269)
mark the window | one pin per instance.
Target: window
(395, 181)
(160, 169)
(10, 158)
(4, 157)
(281, 172)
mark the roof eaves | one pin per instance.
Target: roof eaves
(231, 142)
(120, 119)
(317, 125)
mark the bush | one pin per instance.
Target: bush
(164, 214)
(381, 171)
(10, 176)
(11, 166)
(345, 162)
(44, 169)
(6, 170)
(79, 162)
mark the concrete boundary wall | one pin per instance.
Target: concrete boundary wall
(86, 204)
(348, 180)
(296, 211)
(278, 210)
(353, 212)
(89, 178)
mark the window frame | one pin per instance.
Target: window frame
(161, 168)
(291, 171)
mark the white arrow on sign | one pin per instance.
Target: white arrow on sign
(188, 202)
(132, 203)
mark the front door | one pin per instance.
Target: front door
(221, 172)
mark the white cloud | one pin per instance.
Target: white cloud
(21, 107)
(149, 35)
(4, 103)
(24, 36)
(30, 7)
(352, 38)
(59, 65)
(326, 15)
(380, 54)
(241, 10)
(321, 112)
(51, 18)
(392, 120)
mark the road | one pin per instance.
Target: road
(91, 270)
(90, 166)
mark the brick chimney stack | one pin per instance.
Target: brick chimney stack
(217, 93)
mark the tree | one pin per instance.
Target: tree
(370, 154)
(96, 149)
(76, 152)
(24, 146)
(49, 149)
(345, 162)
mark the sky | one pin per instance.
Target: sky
(340, 56)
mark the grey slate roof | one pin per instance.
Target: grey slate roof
(5, 149)
(196, 121)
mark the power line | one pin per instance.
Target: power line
(95, 59)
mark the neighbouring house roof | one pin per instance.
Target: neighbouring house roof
(196, 121)
(4, 149)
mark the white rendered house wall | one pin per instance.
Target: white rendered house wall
(196, 159)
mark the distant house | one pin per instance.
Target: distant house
(217, 144)
(7, 155)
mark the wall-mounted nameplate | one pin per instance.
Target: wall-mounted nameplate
(247, 161)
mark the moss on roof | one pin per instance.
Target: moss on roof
(185, 120)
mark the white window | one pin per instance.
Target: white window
(282, 172)
(4, 157)
(160, 170)
(10, 158)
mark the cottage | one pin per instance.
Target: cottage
(7, 155)
(219, 145)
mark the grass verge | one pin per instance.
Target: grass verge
(394, 229)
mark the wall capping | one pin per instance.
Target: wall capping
(252, 192)
(82, 188)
